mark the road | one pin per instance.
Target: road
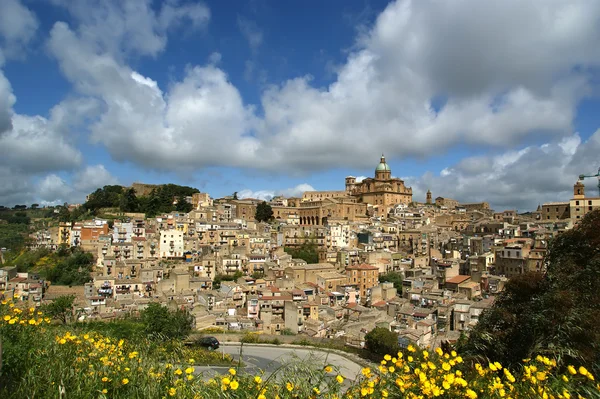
(269, 359)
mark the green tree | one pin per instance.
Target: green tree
(392, 277)
(264, 212)
(160, 322)
(307, 251)
(61, 308)
(129, 201)
(382, 341)
(235, 196)
(183, 205)
(34, 206)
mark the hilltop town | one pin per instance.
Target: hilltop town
(328, 264)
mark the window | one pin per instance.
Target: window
(576, 202)
(589, 202)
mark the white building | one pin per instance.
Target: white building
(171, 244)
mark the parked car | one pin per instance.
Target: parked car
(210, 343)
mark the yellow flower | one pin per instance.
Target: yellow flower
(190, 377)
(105, 391)
(366, 371)
(191, 361)
(425, 354)
(234, 385)
(493, 367)
(125, 381)
(225, 381)
(189, 370)
(178, 372)
(439, 351)
(6, 318)
(411, 348)
(232, 371)
(104, 379)
(583, 371)
(572, 370)
(384, 393)
(172, 391)
(316, 390)
(261, 396)
(328, 369)
(565, 378)
(339, 379)
(289, 386)
(471, 394)
(257, 379)
(62, 341)
(387, 357)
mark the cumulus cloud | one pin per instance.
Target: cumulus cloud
(267, 195)
(521, 179)
(18, 26)
(423, 79)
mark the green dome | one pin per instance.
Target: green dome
(383, 166)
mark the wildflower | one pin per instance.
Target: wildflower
(289, 386)
(191, 361)
(316, 390)
(366, 371)
(178, 372)
(565, 378)
(257, 379)
(384, 393)
(225, 381)
(411, 348)
(493, 367)
(62, 341)
(104, 391)
(471, 394)
(425, 355)
(232, 371)
(125, 381)
(104, 379)
(190, 377)
(172, 391)
(583, 371)
(339, 379)
(439, 351)
(453, 353)
(6, 318)
(234, 385)
(387, 358)
(261, 396)
(189, 370)
(328, 369)
(572, 370)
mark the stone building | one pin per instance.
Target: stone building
(383, 190)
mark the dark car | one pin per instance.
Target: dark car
(210, 343)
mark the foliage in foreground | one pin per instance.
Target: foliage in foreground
(42, 360)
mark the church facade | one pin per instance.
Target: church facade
(383, 190)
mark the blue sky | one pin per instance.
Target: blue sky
(492, 101)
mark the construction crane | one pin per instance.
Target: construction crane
(581, 177)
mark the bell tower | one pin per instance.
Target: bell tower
(578, 190)
(428, 198)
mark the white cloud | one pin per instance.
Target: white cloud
(528, 82)
(267, 195)
(521, 179)
(17, 27)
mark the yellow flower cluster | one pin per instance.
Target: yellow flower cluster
(421, 374)
(14, 315)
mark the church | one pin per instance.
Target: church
(383, 190)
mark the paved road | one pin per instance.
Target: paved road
(270, 358)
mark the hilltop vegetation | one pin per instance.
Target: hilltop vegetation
(160, 200)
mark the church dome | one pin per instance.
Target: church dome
(383, 166)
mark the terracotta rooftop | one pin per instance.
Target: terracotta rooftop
(458, 279)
